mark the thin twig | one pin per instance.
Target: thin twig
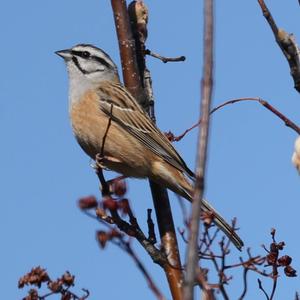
(151, 231)
(163, 58)
(174, 138)
(100, 157)
(222, 276)
(257, 260)
(206, 95)
(261, 288)
(209, 242)
(268, 106)
(103, 182)
(141, 267)
(273, 287)
(245, 272)
(268, 17)
(263, 102)
(201, 278)
(133, 229)
(106, 130)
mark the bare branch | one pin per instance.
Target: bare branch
(268, 106)
(163, 58)
(127, 47)
(138, 13)
(263, 102)
(133, 229)
(151, 231)
(287, 44)
(207, 290)
(207, 86)
(145, 273)
(245, 272)
(261, 288)
(174, 138)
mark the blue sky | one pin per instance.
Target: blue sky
(43, 171)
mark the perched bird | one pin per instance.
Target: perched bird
(107, 119)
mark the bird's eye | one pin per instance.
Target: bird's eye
(86, 54)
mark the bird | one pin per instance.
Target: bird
(107, 119)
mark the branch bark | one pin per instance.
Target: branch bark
(206, 95)
(136, 77)
(287, 44)
(130, 71)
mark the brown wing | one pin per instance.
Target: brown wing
(116, 102)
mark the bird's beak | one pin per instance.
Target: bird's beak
(65, 54)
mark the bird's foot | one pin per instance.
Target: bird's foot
(103, 161)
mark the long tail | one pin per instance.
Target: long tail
(185, 189)
(179, 184)
(223, 225)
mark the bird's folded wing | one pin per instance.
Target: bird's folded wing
(121, 107)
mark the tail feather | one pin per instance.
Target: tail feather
(223, 225)
(179, 184)
(186, 192)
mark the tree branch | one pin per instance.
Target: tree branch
(131, 74)
(134, 68)
(268, 106)
(206, 95)
(287, 44)
(163, 58)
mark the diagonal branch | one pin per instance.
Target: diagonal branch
(145, 273)
(287, 44)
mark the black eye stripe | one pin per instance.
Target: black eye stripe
(84, 55)
(102, 61)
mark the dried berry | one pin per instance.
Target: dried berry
(88, 202)
(55, 286)
(124, 206)
(119, 187)
(68, 279)
(290, 272)
(110, 203)
(284, 260)
(102, 238)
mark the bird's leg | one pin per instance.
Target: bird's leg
(103, 160)
(101, 163)
(99, 171)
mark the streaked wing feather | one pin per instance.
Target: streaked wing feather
(132, 118)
